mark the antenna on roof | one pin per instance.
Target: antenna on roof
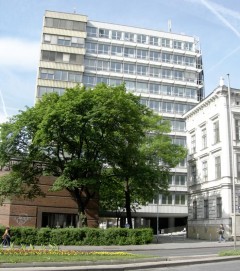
(169, 26)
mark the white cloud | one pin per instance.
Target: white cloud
(215, 10)
(18, 53)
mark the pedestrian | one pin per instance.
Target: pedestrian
(221, 233)
(6, 237)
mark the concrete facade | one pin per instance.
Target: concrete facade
(164, 68)
(211, 170)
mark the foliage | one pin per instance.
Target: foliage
(232, 252)
(79, 236)
(101, 139)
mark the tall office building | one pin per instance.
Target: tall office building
(163, 67)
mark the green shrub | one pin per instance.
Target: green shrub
(80, 236)
(43, 236)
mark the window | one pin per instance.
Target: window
(143, 54)
(177, 44)
(180, 199)
(178, 125)
(178, 59)
(193, 143)
(117, 51)
(166, 58)
(237, 129)
(62, 57)
(142, 87)
(217, 167)
(90, 64)
(129, 52)
(142, 70)
(155, 56)
(65, 24)
(167, 199)
(116, 67)
(238, 166)
(188, 46)
(102, 80)
(170, 179)
(44, 90)
(103, 33)
(53, 220)
(181, 141)
(129, 36)
(91, 47)
(194, 209)
(103, 49)
(154, 72)
(166, 43)
(129, 68)
(59, 75)
(142, 39)
(89, 81)
(219, 207)
(116, 35)
(216, 133)
(180, 179)
(193, 173)
(204, 171)
(91, 31)
(204, 138)
(153, 40)
(206, 209)
(102, 65)
(178, 75)
(130, 85)
(166, 74)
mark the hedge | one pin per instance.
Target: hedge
(80, 236)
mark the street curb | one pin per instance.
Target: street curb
(115, 266)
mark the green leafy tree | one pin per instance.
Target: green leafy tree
(142, 167)
(75, 137)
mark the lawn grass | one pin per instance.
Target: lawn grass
(20, 258)
(231, 252)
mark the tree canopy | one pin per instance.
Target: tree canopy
(89, 139)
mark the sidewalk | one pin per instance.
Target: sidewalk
(137, 264)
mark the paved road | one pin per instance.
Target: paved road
(173, 254)
(223, 266)
(184, 251)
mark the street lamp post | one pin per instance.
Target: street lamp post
(232, 162)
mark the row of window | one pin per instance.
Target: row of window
(171, 199)
(139, 38)
(106, 49)
(167, 107)
(65, 24)
(203, 173)
(144, 87)
(61, 57)
(204, 140)
(143, 70)
(60, 75)
(178, 180)
(218, 205)
(176, 125)
(63, 40)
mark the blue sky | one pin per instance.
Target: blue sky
(215, 22)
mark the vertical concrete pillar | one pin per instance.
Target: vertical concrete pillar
(171, 222)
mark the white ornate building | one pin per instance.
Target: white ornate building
(213, 137)
(164, 68)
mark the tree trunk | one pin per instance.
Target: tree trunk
(128, 204)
